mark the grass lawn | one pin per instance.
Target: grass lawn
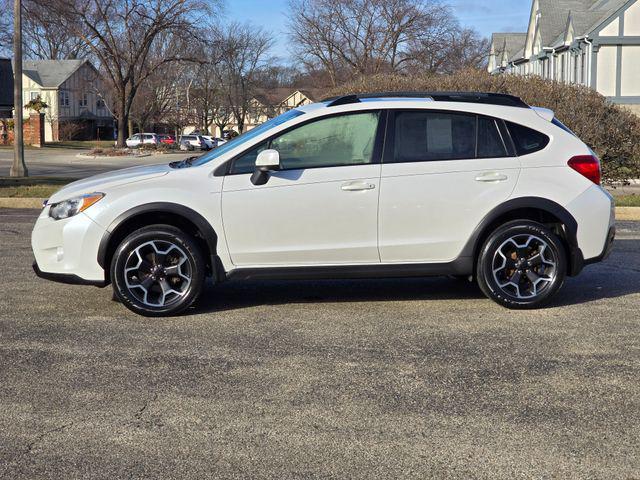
(628, 201)
(81, 145)
(71, 144)
(31, 187)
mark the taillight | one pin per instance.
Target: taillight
(588, 166)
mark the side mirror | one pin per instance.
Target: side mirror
(267, 161)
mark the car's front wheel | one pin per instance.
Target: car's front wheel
(158, 271)
(522, 265)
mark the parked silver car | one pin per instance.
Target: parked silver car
(193, 142)
(140, 139)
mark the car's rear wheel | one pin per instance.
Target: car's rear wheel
(522, 265)
(158, 271)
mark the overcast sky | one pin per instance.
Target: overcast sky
(487, 16)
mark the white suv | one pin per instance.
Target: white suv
(381, 185)
(140, 139)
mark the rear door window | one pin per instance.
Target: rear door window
(429, 136)
(422, 136)
(490, 143)
(527, 140)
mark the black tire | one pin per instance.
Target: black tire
(158, 271)
(522, 265)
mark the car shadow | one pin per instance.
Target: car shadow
(618, 276)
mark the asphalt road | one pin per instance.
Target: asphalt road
(418, 378)
(61, 162)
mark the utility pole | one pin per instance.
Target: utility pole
(18, 169)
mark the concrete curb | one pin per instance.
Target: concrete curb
(114, 157)
(628, 213)
(622, 213)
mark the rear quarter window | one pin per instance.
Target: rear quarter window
(527, 140)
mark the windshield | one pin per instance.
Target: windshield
(247, 137)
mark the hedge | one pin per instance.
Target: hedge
(613, 132)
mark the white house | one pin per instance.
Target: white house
(266, 104)
(595, 43)
(75, 95)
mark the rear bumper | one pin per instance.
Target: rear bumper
(611, 236)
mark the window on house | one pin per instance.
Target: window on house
(84, 100)
(100, 104)
(34, 95)
(64, 98)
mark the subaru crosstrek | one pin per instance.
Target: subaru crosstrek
(361, 186)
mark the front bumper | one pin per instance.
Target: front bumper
(68, 278)
(67, 250)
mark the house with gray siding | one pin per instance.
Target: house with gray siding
(78, 102)
(595, 43)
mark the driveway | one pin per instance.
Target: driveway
(60, 162)
(419, 378)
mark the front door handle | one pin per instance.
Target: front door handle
(491, 177)
(357, 186)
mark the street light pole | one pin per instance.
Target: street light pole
(18, 169)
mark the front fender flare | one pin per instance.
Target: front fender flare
(210, 236)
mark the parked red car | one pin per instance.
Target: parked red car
(167, 139)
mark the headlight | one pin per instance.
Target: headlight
(73, 206)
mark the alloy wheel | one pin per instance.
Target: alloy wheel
(158, 273)
(524, 266)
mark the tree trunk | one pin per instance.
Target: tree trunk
(18, 169)
(122, 126)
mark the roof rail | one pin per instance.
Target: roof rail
(470, 97)
(344, 100)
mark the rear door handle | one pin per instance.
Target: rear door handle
(357, 186)
(491, 177)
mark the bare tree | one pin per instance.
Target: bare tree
(447, 48)
(221, 112)
(349, 38)
(245, 52)
(46, 38)
(131, 39)
(157, 96)
(6, 30)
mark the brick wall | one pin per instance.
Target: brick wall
(34, 130)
